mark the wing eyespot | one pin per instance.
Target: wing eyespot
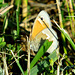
(41, 18)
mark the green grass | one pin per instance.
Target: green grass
(11, 30)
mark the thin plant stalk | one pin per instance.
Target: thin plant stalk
(71, 9)
(66, 59)
(28, 46)
(58, 67)
(24, 12)
(5, 23)
(70, 18)
(72, 14)
(12, 1)
(18, 63)
(5, 64)
(17, 19)
(61, 25)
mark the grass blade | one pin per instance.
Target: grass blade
(40, 53)
(66, 35)
(17, 19)
(18, 63)
(1, 1)
(5, 24)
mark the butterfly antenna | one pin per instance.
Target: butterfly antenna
(50, 30)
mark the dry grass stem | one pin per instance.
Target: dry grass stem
(71, 10)
(28, 47)
(12, 2)
(59, 11)
(6, 9)
(5, 64)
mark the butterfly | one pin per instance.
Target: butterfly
(41, 31)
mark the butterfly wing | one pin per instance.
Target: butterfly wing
(41, 32)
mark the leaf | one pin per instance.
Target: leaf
(45, 63)
(3, 5)
(1, 39)
(15, 34)
(5, 24)
(1, 1)
(2, 44)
